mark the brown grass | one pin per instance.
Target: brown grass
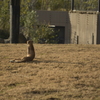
(59, 72)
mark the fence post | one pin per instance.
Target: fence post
(99, 5)
(14, 20)
(72, 4)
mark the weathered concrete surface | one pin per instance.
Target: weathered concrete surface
(83, 28)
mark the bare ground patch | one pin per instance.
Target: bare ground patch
(59, 72)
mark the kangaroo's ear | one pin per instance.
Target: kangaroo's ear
(27, 42)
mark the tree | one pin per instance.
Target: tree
(53, 5)
(4, 19)
(30, 24)
(39, 33)
(86, 4)
(92, 4)
(4, 15)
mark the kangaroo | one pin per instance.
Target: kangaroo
(30, 54)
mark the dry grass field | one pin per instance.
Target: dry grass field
(59, 72)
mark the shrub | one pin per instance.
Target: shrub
(4, 34)
(39, 33)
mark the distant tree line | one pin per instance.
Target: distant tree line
(64, 5)
(91, 5)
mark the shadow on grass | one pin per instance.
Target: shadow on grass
(45, 61)
(55, 61)
(43, 92)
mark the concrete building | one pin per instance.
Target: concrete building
(75, 27)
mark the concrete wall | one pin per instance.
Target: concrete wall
(80, 27)
(83, 28)
(58, 18)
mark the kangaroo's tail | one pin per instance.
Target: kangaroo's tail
(16, 61)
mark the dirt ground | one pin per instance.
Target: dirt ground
(59, 72)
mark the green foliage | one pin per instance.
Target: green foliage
(65, 5)
(44, 34)
(24, 9)
(30, 23)
(31, 28)
(4, 15)
(4, 34)
(92, 4)
(53, 5)
(86, 4)
(39, 33)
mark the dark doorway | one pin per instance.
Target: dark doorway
(60, 32)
